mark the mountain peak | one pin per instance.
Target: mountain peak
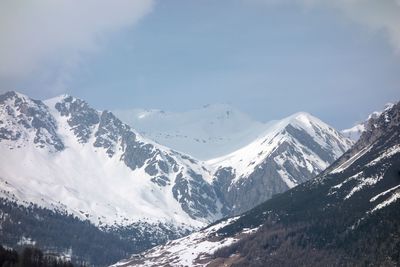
(389, 105)
(303, 118)
(357, 130)
(218, 106)
(12, 94)
(60, 98)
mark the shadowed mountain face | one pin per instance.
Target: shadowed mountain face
(347, 216)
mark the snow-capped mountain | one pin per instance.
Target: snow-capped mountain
(347, 216)
(205, 133)
(83, 153)
(64, 155)
(291, 151)
(355, 132)
(256, 160)
(60, 157)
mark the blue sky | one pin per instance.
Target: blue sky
(268, 59)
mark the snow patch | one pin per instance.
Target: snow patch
(383, 193)
(393, 198)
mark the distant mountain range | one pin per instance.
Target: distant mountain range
(68, 168)
(348, 215)
(205, 133)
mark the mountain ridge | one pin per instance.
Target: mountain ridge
(206, 132)
(63, 157)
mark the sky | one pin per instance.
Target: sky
(338, 60)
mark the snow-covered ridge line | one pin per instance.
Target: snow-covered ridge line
(204, 133)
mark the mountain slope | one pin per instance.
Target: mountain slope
(64, 158)
(92, 164)
(347, 216)
(290, 152)
(208, 132)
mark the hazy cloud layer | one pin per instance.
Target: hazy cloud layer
(378, 15)
(47, 33)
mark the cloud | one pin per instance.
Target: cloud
(378, 15)
(47, 32)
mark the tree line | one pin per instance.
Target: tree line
(30, 257)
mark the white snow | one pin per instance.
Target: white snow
(387, 154)
(357, 130)
(26, 241)
(354, 132)
(205, 133)
(383, 193)
(85, 181)
(361, 180)
(392, 199)
(187, 251)
(368, 181)
(245, 160)
(285, 177)
(351, 160)
(354, 177)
